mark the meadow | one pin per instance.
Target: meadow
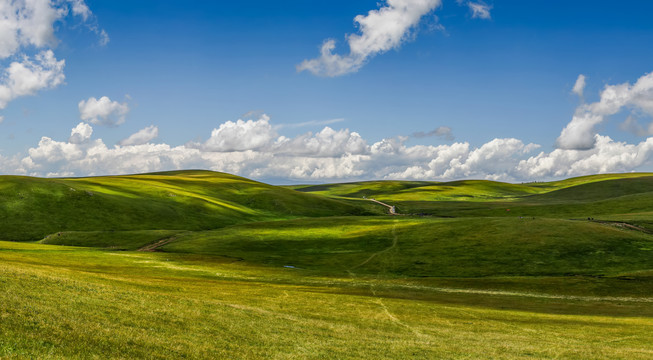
(207, 265)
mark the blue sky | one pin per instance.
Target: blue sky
(160, 85)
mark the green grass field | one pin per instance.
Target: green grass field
(207, 265)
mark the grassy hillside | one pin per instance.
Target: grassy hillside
(466, 190)
(471, 247)
(114, 240)
(233, 268)
(31, 208)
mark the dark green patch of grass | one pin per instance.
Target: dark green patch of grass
(116, 240)
(413, 247)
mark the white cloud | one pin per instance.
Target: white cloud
(2, 118)
(24, 23)
(605, 157)
(80, 133)
(479, 10)
(103, 111)
(253, 149)
(579, 86)
(326, 143)
(28, 27)
(31, 75)
(380, 30)
(142, 136)
(80, 8)
(580, 133)
(241, 135)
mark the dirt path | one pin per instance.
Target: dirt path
(394, 244)
(155, 246)
(532, 295)
(391, 208)
(624, 225)
(379, 299)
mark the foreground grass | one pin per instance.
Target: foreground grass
(82, 303)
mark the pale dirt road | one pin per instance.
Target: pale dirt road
(391, 208)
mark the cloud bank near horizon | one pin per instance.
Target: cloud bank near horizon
(254, 149)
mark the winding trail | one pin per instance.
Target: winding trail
(391, 208)
(531, 295)
(624, 225)
(379, 299)
(155, 246)
(394, 245)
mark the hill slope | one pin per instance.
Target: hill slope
(475, 190)
(31, 208)
(427, 247)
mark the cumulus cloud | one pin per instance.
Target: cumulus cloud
(32, 23)
(27, 23)
(580, 133)
(606, 156)
(142, 136)
(103, 111)
(28, 27)
(241, 135)
(579, 86)
(441, 132)
(494, 160)
(380, 30)
(30, 75)
(326, 143)
(327, 155)
(80, 133)
(253, 149)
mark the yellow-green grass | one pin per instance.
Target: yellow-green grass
(31, 208)
(67, 302)
(116, 240)
(581, 180)
(467, 190)
(249, 270)
(426, 247)
(536, 206)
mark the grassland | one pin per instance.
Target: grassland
(240, 269)
(32, 208)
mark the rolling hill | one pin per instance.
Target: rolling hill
(31, 208)
(199, 264)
